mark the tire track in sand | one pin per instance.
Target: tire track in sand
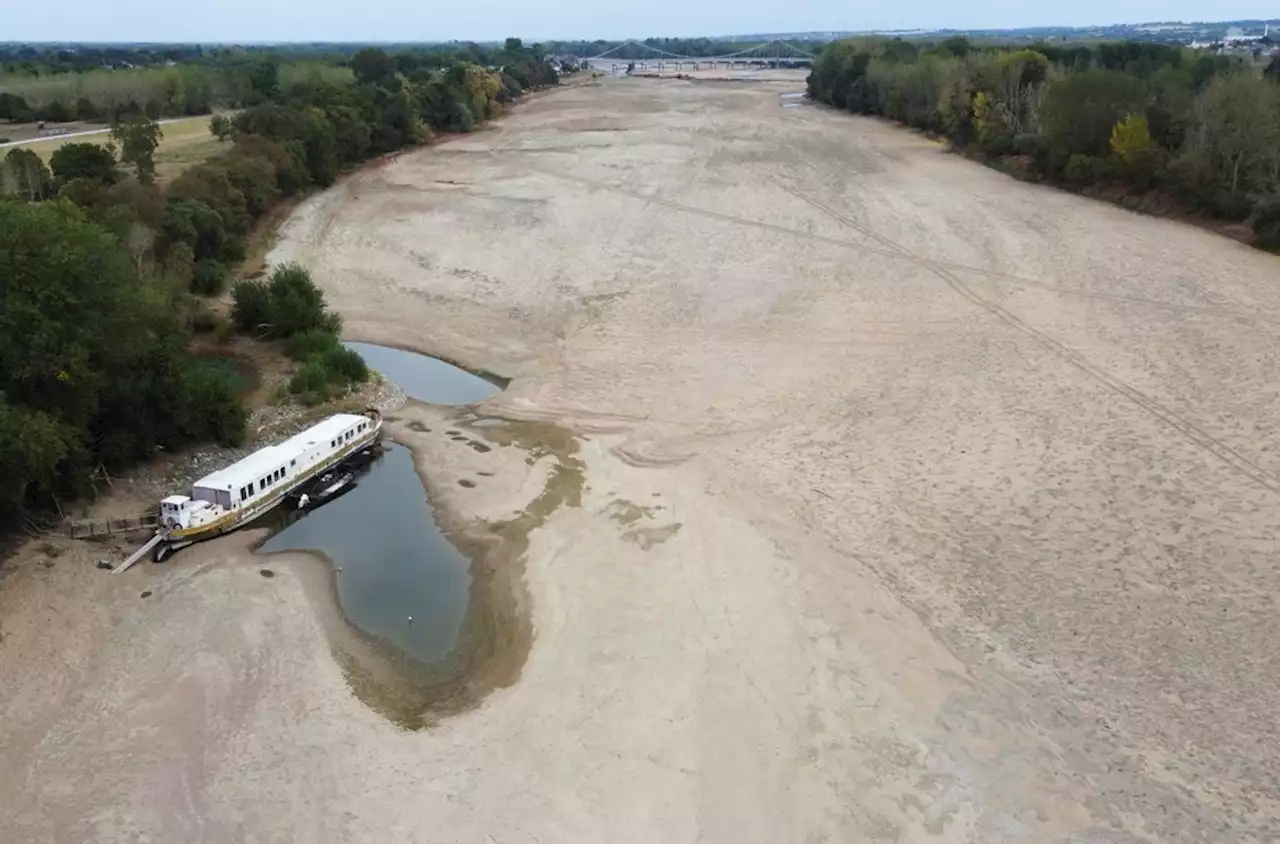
(895, 251)
(1189, 430)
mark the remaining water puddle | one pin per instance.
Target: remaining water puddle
(398, 577)
(428, 379)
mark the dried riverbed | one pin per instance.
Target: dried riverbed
(903, 502)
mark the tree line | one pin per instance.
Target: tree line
(102, 270)
(60, 85)
(1144, 120)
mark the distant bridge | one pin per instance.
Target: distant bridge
(776, 53)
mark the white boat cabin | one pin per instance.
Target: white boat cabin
(262, 477)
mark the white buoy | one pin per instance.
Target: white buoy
(411, 619)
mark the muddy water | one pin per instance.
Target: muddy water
(398, 577)
(428, 379)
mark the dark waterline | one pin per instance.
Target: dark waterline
(424, 378)
(393, 560)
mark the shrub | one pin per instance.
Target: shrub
(1266, 225)
(1082, 169)
(297, 305)
(307, 344)
(313, 377)
(208, 278)
(251, 307)
(286, 303)
(344, 365)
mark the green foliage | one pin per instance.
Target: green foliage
(1235, 132)
(1266, 224)
(138, 138)
(374, 67)
(93, 361)
(194, 223)
(1080, 110)
(306, 344)
(14, 108)
(1143, 115)
(208, 278)
(32, 447)
(26, 175)
(311, 382)
(1131, 138)
(251, 307)
(344, 364)
(327, 373)
(221, 127)
(83, 161)
(285, 304)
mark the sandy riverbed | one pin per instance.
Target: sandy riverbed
(916, 504)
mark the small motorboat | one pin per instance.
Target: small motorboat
(327, 488)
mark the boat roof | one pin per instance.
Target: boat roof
(268, 459)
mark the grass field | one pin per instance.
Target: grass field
(186, 141)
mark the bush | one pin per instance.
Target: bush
(297, 305)
(209, 278)
(313, 377)
(307, 344)
(344, 365)
(251, 307)
(1266, 225)
(1082, 170)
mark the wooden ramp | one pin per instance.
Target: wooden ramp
(140, 553)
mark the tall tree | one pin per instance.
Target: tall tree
(28, 174)
(1236, 132)
(138, 138)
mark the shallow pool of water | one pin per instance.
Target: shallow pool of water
(392, 561)
(427, 379)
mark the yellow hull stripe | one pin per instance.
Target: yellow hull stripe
(255, 510)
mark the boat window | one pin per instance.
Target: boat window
(293, 463)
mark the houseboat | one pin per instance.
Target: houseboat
(232, 497)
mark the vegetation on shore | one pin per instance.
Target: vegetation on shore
(104, 271)
(1142, 121)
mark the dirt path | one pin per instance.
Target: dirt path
(919, 504)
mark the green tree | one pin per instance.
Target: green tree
(221, 127)
(264, 80)
(1235, 136)
(138, 139)
(1080, 110)
(372, 66)
(32, 445)
(1131, 139)
(28, 174)
(14, 108)
(83, 161)
(88, 343)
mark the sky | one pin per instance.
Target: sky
(487, 20)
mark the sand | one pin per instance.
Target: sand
(916, 504)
